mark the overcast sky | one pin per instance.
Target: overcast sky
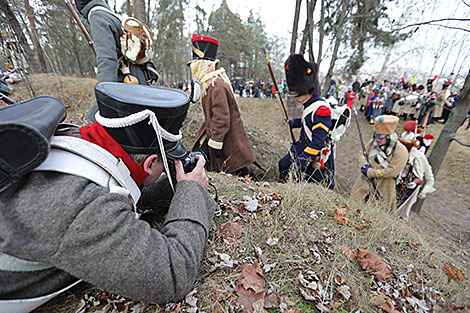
(418, 53)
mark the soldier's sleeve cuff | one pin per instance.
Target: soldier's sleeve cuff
(311, 153)
(215, 144)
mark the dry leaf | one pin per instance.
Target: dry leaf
(251, 204)
(454, 272)
(293, 311)
(340, 215)
(247, 297)
(347, 252)
(373, 264)
(253, 277)
(288, 303)
(271, 301)
(258, 306)
(384, 303)
(415, 245)
(232, 230)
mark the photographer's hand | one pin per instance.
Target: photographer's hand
(198, 174)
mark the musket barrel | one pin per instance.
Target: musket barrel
(81, 26)
(286, 117)
(364, 152)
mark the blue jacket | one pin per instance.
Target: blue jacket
(319, 123)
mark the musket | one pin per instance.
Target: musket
(286, 117)
(364, 152)
(80, 25)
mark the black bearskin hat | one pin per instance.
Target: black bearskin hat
(301, 76)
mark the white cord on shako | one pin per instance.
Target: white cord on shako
(139, 117)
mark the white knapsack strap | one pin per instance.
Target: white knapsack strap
(312, 108)
(88, 160)
(102, 8)
(13, 264)
(29, 304)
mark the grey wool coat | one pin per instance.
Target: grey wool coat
(106, 31)
(87, 233)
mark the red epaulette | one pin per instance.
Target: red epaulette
(323, 111)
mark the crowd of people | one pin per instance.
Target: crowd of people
(397, 171)
(76, 216)
(427, 104)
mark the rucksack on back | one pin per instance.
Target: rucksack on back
(340, 119)
(136, 41)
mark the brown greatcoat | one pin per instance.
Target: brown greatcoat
(385, 178)
(224, 128)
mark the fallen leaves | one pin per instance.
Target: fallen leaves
(342, 218)
(373, 264)
(320, 290)
(231, 231)
(340, 214)
(454, 272)
(384, 303)
(251, 289)
(347, 252)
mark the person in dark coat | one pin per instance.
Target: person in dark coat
(311, 154)
(222, 136)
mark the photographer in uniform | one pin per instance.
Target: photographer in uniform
(70, 219)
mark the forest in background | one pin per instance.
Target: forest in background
(345, 34)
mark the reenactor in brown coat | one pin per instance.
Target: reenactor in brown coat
(222, 137)
(387, 158)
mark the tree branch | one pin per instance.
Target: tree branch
(430, 22)
(459, 142)
(450, 27)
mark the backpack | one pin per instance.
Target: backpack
(340, 119)
(136, 39)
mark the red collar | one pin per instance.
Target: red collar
(97, 134)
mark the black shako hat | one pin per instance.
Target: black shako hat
(301, 76)
(204, 47)
(131, 114)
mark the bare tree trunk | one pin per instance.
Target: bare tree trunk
(460, 68)
(34, 36)
(339, 36)
(385, 63)
(307, 36)
(15, 25)
(183, 63)
(310, 33)
(448, 133)
(321, 32)
(139, 11)
(303, 43)
(293, 41)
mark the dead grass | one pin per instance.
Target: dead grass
(309, 239)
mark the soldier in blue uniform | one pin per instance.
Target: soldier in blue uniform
(312, 152)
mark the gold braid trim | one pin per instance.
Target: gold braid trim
(204, 71)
